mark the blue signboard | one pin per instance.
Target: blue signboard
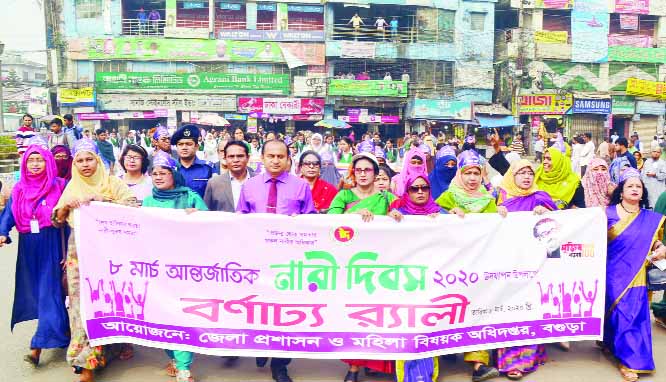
(305, 8)
(592, 106)
(266, 7)
(193, 5)
(230, 6)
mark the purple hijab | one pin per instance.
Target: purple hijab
(529, 202)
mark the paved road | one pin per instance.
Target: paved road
(583, 363)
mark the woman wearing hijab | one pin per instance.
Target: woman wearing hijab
(556, 177)
(639, 160)
(90, 181)
(169, 191)
(134, 161)
(309, 166)
(414, 164)
(445, 169)
(466, 193)
(38, 292)
(597, 184)
(364, 199)
(633, 233)
(63, 161)
(329, 172)
(517, 192)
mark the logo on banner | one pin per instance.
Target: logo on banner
(193, 80)
(577, 250)
(343, 234)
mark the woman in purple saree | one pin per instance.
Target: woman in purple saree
(633, 234)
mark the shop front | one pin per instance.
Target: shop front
(547, 110)
(648, 120)
(281, 115)
(623, 109)
(591, 116)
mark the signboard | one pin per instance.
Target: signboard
(633, 6)
(280, 105)
(554, 4)
(270, 35)
(592, 106)
(138, 101)
(305, 8)
(310, 86)
(356, 49)
(39, 102)
(212, 82)
(551, 37)
(161, 113)
(367, 88)
(639, 41)
(629, 22)
(650, 108)
(623, 105)
(156, 49)
(15, 107)
(82, 97)
(634, 54)
(545, 104)
(638, 87)
(439, 109)
(589, 36)
(370, 118)
(335, 287)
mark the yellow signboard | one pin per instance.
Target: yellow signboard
(646, 88)
(77, 97)
(551, 37)
(545, 103)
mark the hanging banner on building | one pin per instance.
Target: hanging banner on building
(367, 88)
(591, 106)
(638, 87)
(628, 21)
(82, 97)
(334, 287)
(15, 107)
(370, 118)
(138, 101)
(151, 49)
(281, 105)
(270, 35)
(634, 54)
(633, 6)
(357, 49)
(650, 108)
(546, 104)
(439, 109)
(623, 105)
(159, 113)
(298, 54)
(554, 4)
(217, 82)
(551, 37)
(39, 102)
(639, 41)
(589, 36)
(310, 86)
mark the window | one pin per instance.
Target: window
(433, 78)
(110, 66)
(26, 76)
(40, 76)
(477, 21)
(88, 9)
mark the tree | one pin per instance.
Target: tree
(13, 80)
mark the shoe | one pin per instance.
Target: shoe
(184, 376)
(352, 376)
(261, 361)
(660, 322)
(31, 360)
(171, 369)
(484, 373)
(230, 361)
(281, 375)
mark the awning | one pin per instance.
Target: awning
(496, 121)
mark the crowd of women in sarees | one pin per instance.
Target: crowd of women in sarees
(54, 183)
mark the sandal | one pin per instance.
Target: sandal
(352, 376)
(564, 346)
(514, 375)
(627, 374)
(660, 322)
(171, 368)
(31, 360)
(184, 376)
(126, 352)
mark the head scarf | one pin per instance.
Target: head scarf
(408, 207)
(99, 184)
(64, 165)
(630, 173)
(321, 144)
(35, 195)
(509, 182)
(160, 131)
(560, 182)
(379, 152)
(441, 176)
(472, 200)
(596, 184)
(179, 194)
(409, 170)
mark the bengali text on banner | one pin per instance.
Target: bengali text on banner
(324, 286)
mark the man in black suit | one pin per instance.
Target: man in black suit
(223, 191)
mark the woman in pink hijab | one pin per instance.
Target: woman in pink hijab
(413, 166)
(597, 184)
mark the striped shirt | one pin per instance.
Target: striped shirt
(23, 134)
(517, 147)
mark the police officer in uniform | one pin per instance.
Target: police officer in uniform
(195, 171)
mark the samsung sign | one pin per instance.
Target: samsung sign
(592, 106)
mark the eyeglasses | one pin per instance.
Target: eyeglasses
(61, 156)
(525, 173)
(363, 170)
(132, 158)
(421, 188)
(311, 164)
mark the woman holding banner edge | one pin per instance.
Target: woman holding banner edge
(634, 233)
(90, 182)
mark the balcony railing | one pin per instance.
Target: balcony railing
(133, 27)
(192, 23)
(402, 35)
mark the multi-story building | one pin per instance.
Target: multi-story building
(24, 71)
(567, 64)
(282, 65)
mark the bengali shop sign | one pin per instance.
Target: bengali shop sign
(367, 88)
(636, 54)
(335, 287)
(645, 88)
(218, 82)
(633, 6)
(138, 101)
(270, 35)
(421, 108)
(551, 37)
(76, 97)
(278, 106)
(545, 104)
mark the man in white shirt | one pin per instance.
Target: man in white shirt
(654, 175)
(614, 137)
(538, 149)
(223, 191)
(587, 154)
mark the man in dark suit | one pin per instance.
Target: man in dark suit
(223, 191)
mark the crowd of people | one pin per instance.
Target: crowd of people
(307, 173)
